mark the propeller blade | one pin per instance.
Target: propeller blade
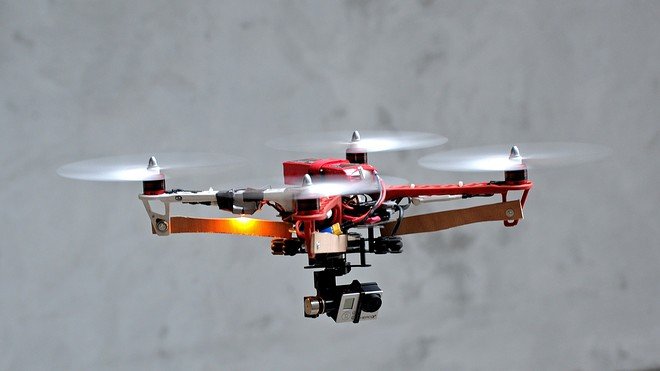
(328, 186)
(141, 167)
(507, 157)
(370, 141)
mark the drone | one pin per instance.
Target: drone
(331, 209)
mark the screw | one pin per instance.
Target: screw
(161, 226)
(509, 213)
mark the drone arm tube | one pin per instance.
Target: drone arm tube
(185, 197)
(282, 196)
(443, 192)
(245, 201)
(473, 189)
(241, 201)
(248, 201)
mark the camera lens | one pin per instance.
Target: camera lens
(313, 306)
(371, 302)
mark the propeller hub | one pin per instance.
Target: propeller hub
(153, 164)
(355, 153)
(307, 180)
(514, 155)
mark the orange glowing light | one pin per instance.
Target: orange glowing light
(243, 224)
(240, 225)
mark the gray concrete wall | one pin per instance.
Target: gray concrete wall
(84, 285)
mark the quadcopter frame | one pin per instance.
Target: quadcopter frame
(320, 224)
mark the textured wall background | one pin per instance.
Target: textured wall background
(84, 285)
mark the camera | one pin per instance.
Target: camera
(347, 303)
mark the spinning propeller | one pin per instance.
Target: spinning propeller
(507, 158)
(366, 141)
(145, 167)
(335, 186)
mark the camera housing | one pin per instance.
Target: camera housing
(346, 303)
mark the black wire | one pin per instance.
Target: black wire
(177, 190)
(479, 195)
(400, 209)
(406, 206)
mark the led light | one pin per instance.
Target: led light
(243, 224)
(240, 225)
